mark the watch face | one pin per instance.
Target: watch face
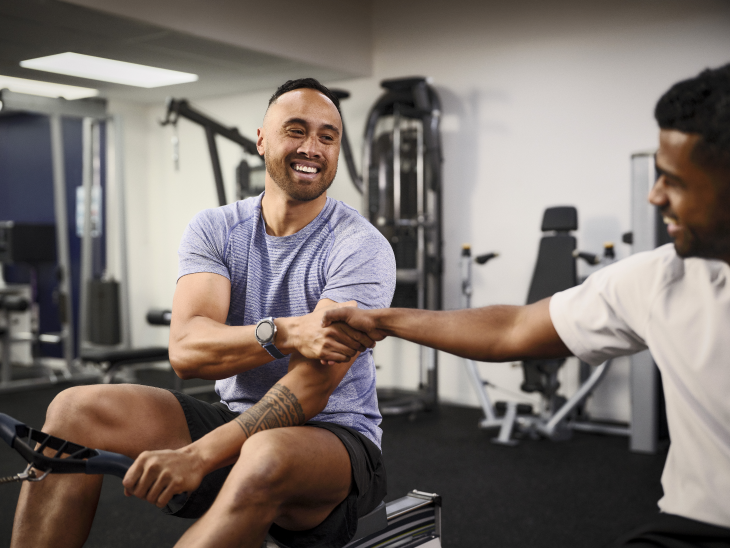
(264, 332)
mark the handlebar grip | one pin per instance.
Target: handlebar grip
(340, 93)
(159, 317)
(106, 462)
(590, 258)
(482, 259)
(177, 501)
(115, 464)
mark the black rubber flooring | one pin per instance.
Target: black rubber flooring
(540, 494)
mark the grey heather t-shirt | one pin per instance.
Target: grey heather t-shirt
(338, 256)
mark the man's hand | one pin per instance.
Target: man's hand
(331, 342)
(156, 476)
(363, 321)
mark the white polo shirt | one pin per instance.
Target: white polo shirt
(680, 310)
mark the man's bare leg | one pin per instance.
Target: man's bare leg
(294, 477)
(126, 419)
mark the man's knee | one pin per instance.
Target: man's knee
(125, 419)
(86, 414)
(264, 468)
(73, 411)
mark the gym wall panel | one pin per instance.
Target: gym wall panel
(26, 176)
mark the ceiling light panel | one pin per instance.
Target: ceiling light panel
(109, 70)
(45, 89)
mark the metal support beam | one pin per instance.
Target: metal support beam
(87, 152)
(65, 294)
(644, 374)
(116, 196)
(215, 160)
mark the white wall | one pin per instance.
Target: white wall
(543, 105)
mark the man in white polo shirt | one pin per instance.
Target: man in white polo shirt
(674, 300)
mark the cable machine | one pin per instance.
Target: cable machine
(401, 188)
(75, 286)
(244, 186)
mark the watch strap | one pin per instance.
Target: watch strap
(273, 351)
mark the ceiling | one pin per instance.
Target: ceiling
(36, 28)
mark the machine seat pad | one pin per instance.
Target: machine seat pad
(372, 522)
(126, 356)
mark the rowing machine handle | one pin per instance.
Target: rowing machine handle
(104, 462)
(8, 428)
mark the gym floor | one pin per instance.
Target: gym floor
(539, 494)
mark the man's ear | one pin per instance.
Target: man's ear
(260, 141)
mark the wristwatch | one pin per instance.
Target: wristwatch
(265, 333)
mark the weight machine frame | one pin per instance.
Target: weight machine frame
(93, 112)
(402, 156)
(181, 107)
(557, 424)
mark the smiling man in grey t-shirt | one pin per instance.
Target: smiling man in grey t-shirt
(293, 448)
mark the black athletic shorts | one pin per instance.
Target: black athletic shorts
(367, 491)
(671, 531)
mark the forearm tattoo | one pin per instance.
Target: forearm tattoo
(278, 408)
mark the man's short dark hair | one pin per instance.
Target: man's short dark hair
(701, 105)
(305, 83)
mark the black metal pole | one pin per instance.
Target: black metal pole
(217, 173)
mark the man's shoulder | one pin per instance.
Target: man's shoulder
(662, 268)
(224, 218)
(657, 267)
(346, 222)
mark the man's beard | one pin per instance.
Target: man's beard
(278, 170)
(715, 244)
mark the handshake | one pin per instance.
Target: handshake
(352, 327)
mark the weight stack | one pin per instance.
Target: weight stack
(103, 312)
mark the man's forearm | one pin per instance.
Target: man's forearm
(207, 349)
(204, 347)
(277, 409)
(298, 396)
(493, 333)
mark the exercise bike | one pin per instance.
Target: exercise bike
(408, 522)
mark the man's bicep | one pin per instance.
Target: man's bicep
(364, 273)
(201, 294)
(535, 336)
(326, 304)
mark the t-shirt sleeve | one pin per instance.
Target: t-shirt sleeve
(606, 315)
(361, 267)
(202, 248)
